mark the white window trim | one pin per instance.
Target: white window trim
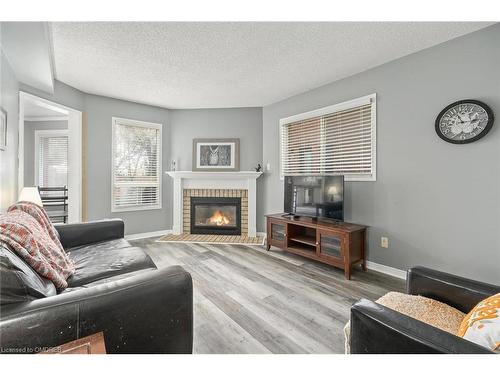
(159, 127)
(42, 134)
(372, 98)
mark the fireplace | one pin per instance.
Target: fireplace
(216, 215)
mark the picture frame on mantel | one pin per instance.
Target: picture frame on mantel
(3, 129)
(216, 154)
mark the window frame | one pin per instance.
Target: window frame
(367, 99)
(46, 133)
(117, 121)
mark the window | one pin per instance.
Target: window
(51, 158)
(136, 165)
(335, 140)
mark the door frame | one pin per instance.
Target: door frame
(74, 154)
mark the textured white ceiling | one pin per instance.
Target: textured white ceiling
(228, 64)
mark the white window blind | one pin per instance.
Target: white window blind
(52, 160)
(336, 140)
(136, 165)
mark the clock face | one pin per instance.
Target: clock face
(464, 121)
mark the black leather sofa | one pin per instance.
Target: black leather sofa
(116, 289)
(377, 329)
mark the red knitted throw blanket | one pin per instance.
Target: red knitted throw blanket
(27, 229)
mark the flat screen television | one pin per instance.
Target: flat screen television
(315, 196)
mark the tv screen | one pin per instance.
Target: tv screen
(315, 196)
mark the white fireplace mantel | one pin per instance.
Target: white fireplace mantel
(215, 180)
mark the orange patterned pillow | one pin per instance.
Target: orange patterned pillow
(482, 324)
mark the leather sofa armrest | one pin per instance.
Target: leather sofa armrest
(148, 313)
(376, 329)
(72, 235)
(456, 291)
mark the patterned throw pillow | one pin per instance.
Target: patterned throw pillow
(482, 324)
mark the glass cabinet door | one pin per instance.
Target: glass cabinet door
(330, 245)
(277, 232)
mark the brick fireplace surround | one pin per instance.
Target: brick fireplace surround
(226, 193)
(189, 184)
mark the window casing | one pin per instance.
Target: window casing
(335, 140)
(136, 165)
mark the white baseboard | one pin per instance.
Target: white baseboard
(138, 236)
(391, 271)
(400, 274)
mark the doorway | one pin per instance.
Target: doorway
(50, 155)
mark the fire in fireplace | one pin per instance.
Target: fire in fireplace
(218, 218)
(215, 215)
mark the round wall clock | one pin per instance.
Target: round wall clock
(464, 121)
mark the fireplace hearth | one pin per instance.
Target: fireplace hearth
(216, 215)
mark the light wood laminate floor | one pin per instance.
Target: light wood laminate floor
(248, 300)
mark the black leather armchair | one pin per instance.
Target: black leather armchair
(379, 330)
(116, 289)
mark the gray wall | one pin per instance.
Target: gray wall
(29, 145)
(437, 202)
(8, 158)
(99, 111)
(179, 128)
(242, 123)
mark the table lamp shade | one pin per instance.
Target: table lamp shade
(332, 190)
(30, 194)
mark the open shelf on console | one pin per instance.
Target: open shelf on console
(304, 239)
(301, 239)
(300, 231)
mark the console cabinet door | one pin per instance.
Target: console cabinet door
(276, 233)
(331, 246)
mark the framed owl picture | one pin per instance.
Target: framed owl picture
(216, 155)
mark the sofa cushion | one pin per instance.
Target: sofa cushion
(119, 243)
(427, 310)
(19, 282)
(104, 260)
(107, 280)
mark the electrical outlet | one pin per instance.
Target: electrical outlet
(384, 242)
(268, 167)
